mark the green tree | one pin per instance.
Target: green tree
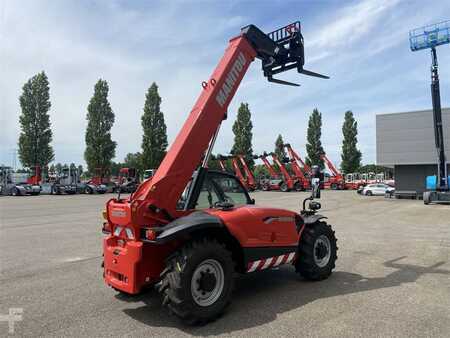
(314, 145)
(279, 148)
(58, 168)
(154, 140)
(133, 160)
(351, 156)
(100, 148)
(36, 134)
(242, 129)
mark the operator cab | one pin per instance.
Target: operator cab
(213, 189)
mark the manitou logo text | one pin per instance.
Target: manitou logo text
(231, 80)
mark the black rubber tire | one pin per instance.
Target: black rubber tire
(369, 193)
(89, 191)
(298, 186)
(265, 187)
(334, 186)
(284, 187)
(15, 192)
(175, 285)
(305, 264)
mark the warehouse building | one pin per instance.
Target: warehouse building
(405, 141)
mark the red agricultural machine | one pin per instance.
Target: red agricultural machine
(189, 229)
(336, 180)
(250, 181)
(274, 181)
(289, 182)
(303, 181)
(294, 156)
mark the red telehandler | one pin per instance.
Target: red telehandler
(303, 181)
(273, 182)
(190, 229)
(289, 183)
(294, 156)
(336, 180)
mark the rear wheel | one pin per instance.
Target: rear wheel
(317, 252)
(369, 193)
(334, 186)
(284, 187)
(198, 281)
(265, 187)
(15, 192)
(298, 186)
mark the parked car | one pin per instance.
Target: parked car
(377, 189)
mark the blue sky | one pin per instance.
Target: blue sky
(362, 45)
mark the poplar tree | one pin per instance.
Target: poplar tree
(351, 156)
(279, 148)
(242, 129)
(154, 140)
(314, 147)
(100, 148)
(36, 135)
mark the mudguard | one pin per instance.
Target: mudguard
(313, 219)
(197, 220)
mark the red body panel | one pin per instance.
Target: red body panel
(36, 178)
(254, 226)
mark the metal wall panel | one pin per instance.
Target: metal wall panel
(408, 138)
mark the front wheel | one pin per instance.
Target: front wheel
(198, 281)
(368, 193)
(317, 252)
(334, 186)
(284, 187)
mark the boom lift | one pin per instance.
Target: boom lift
(188, 228)
(432, 36)
(336, 181)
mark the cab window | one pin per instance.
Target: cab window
(218, 188)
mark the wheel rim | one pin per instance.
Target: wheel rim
(207, 282)
(322, 251)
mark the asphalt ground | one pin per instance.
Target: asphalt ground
(392, 276)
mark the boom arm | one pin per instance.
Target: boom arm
(294, 155)
(269, 167)
(248, 172)
(330, 166)
(237, 171)
(283, 169)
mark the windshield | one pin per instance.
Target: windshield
(218, 188)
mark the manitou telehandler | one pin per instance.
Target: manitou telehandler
(289, 183)
(190, 229)
(303, 182)
(274, 181)
(295, 156)
(336, 180)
